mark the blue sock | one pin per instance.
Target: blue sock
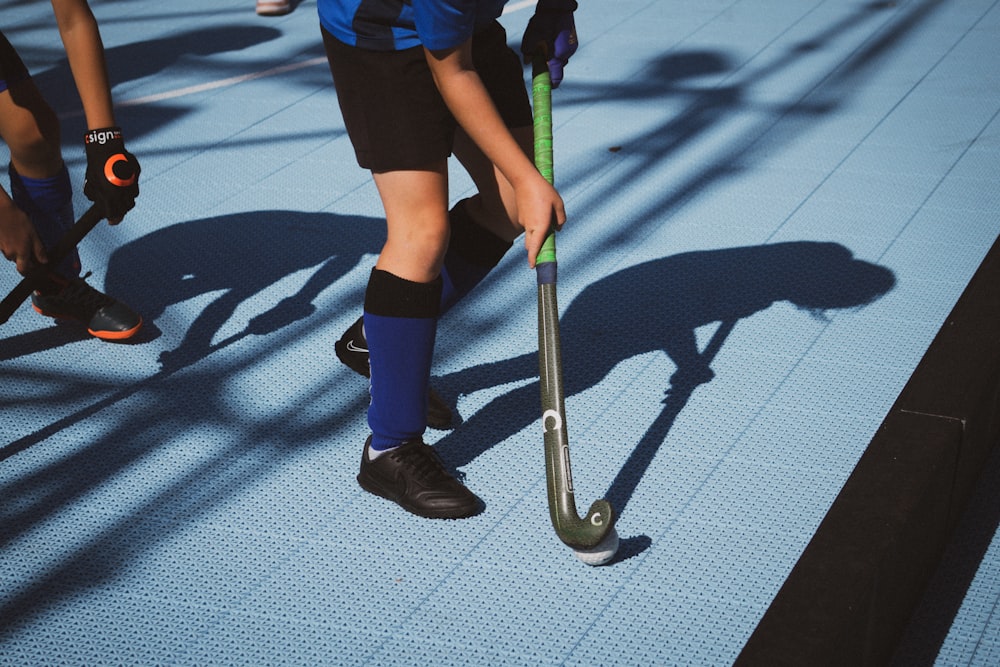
(472, 253)
(48, 202)
(400, 323)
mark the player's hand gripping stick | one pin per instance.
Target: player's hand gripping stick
(112, 177)
(38, 276)
(594, 537)
(551, 35)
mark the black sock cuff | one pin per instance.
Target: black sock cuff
(389, 295)
(473, 243)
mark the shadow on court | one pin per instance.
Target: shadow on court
(137, 60)
(233, 257)
(656, 307)
(238, 256)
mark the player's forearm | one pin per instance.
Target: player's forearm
(85, 52)
(467, 99)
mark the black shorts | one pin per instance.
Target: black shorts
(394, 113)
(12, 69)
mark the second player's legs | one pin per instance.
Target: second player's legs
(39, 180)
(30, 129)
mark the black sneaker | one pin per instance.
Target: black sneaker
(352, 350)
(413, 477)
(106, 317)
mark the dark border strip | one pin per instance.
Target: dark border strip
(850, 596)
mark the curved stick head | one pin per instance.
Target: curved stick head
(587, 532)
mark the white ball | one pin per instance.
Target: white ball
(601, 553)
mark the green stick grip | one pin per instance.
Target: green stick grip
(541, 96)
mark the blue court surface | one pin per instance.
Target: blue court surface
(774, 206)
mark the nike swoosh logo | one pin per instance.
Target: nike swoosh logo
(354, 348)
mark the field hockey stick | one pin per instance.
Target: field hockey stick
(578, 533)
(37, 276)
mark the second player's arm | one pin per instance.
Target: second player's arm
(85, 52)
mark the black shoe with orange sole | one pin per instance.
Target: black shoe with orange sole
(105, 317)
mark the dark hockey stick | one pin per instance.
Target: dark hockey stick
(37, 276)
(578, 533)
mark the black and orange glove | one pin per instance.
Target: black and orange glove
(112, 180)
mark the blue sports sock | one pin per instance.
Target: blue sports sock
(472, 253)
(400, 323)
(48, 203)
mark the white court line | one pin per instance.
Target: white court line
(517, 6)
(221, 83)
(234, 80)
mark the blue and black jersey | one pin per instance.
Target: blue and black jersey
(394, 25)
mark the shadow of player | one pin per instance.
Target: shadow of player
(657, 306)
(238, 256)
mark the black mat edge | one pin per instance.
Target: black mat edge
(851, 594)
